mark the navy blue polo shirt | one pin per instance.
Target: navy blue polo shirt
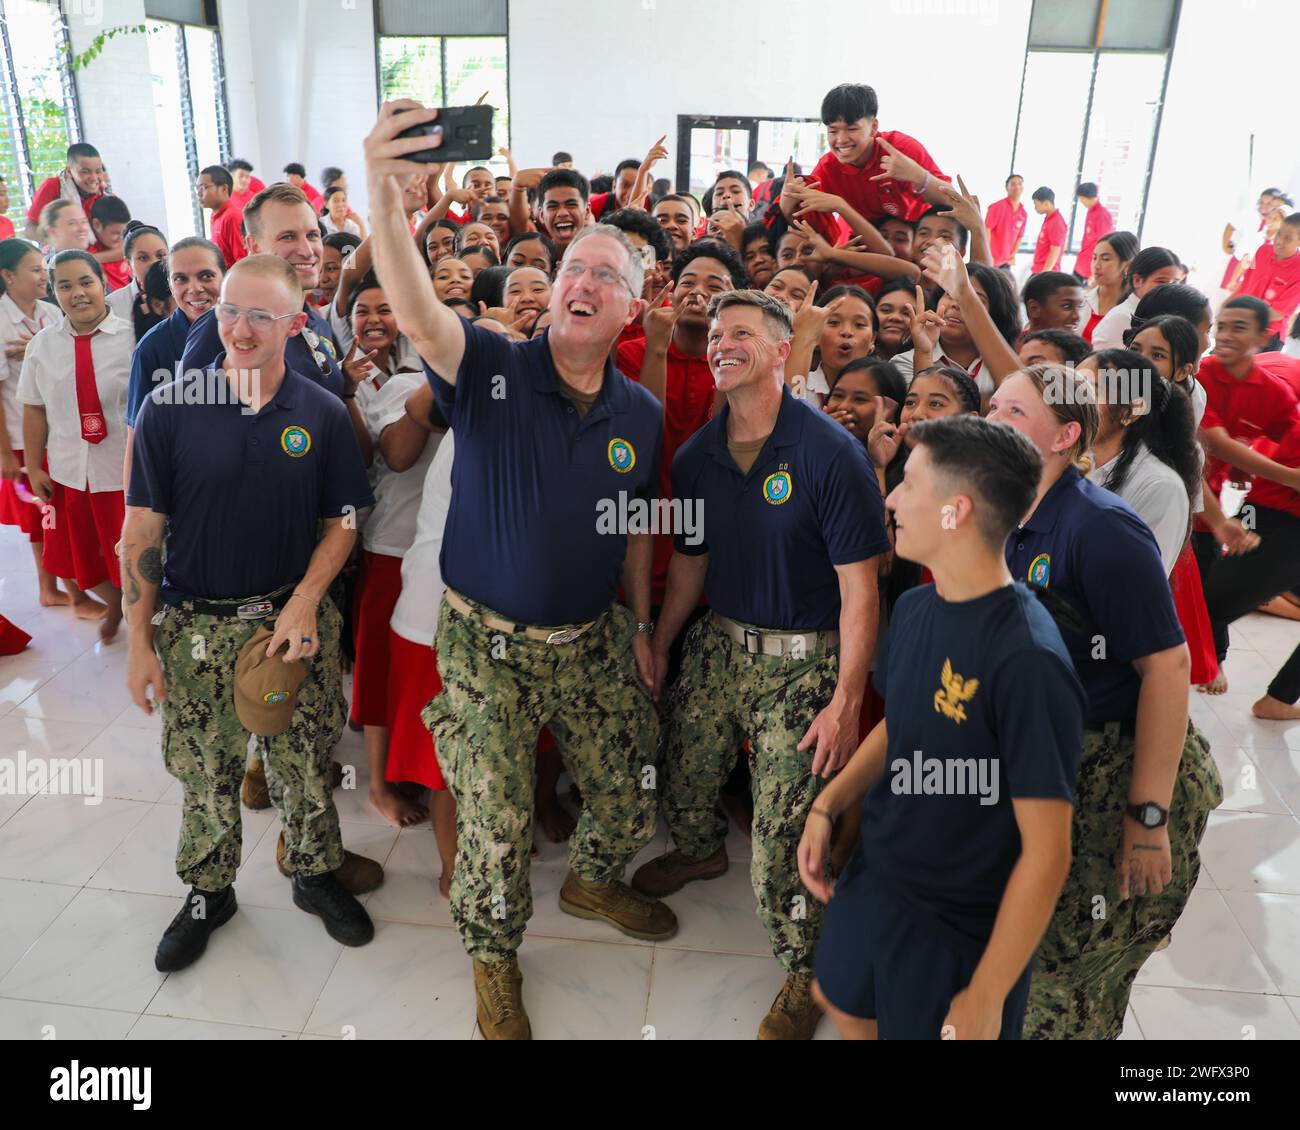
(1087, 546)
(312, 352)
(156, 360)
(983, 706)
(244, 494)
(532, 479)
(774, 536)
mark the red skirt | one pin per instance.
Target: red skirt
(1189, 603)
(16, 510)
(80, 542)
(412, 681)
(378, 587)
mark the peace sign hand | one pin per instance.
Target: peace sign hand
(885, 438)
(926, 325)
(659, 320)
(357, 369)
(965, 208)
(896, 165)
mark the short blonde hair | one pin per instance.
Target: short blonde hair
(279, 193)
(51, 212)
(270, 267)
(1072, 400)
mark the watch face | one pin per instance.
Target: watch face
(1149, 816)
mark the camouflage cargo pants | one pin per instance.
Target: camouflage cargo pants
(204, 747)
(499, 690)
(722, 696)
(1095, 944)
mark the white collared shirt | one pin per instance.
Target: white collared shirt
(415, 616)
(1159, 497)
(13, 325)
(122, 301)
(905, 363)
(49, 379)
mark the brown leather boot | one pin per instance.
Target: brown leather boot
(618, 904)
(500, 1003)
(794, 1014)
(254, 792)
(357, 874)
(673, 871)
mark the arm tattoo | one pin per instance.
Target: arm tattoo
(150, 564)
(133, 589)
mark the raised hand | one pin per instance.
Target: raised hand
(965, 208)
(943, 263)
(926, 325)
(659, 320)
(357, 369)
(387, 155)
(896, 165)
(885, 438)
(821, 247)
(656, 154)
(815, 200)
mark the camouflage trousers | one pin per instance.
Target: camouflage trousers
(1095, 944)
(722, 696)
(205, 747)
(499, 690)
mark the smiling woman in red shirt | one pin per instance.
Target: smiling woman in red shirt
(1006, 220)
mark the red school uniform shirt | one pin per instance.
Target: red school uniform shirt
(241, 199)
(50, 189)
(1051, 234)
(117, 274)
(1277, 282)
(1006, 225)
(1097, 223)
(689, 393)
(1259, 404)
(1275, 496)
(874, 200)
(227, 234)
(6, 228)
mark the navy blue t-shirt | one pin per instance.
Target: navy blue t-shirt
(774, 536)
(313, 352)
(1087, 546)
(983, 707)
(156, 360)
(244, 494)
(532, 480)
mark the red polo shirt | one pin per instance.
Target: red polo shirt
(240, 199)
(1277, 282)
(6, 228)
(116, 274)
(226, 233)
(1051, 234)
(317, 200)
(1098, 223)
(875, 201)
(1275, 496)
(1006, 224)
(51, 190)
(689, 393)
(1259, 404)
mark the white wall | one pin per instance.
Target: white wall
(300, 81)
(613, 75)
(1233, 75)
(116, 100)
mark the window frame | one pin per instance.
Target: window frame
(688, 122)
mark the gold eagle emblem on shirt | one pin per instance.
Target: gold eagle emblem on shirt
(956, 691)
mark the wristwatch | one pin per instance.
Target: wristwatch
(1149, 815)
(645, 627)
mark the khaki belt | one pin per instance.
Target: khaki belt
(776, 643)
(545, 635)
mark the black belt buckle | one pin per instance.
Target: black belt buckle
(757, 649)
(255, 610)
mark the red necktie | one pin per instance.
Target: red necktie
(93, 427)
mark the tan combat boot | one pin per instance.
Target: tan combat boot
(357, 874)
(500, 1003)
(794, 1014)
(254, 792)
(671, 872)
(616, 903)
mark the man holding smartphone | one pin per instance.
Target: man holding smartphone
(547, 431)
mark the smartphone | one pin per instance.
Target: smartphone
(466, 133)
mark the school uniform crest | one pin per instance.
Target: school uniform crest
(777, 487)
(92, 423)
(622, 455)
(1040, 570)
(295, 441)
(950, 700)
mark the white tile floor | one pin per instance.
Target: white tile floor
(85, 892)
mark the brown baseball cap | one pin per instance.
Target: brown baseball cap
(266, 688)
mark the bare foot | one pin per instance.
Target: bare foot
(89, 609)
(555, 819)
(1217, 685)
(108, 629)
(444, 882)
(399, 811)
(53, 598)
(1274, 710)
